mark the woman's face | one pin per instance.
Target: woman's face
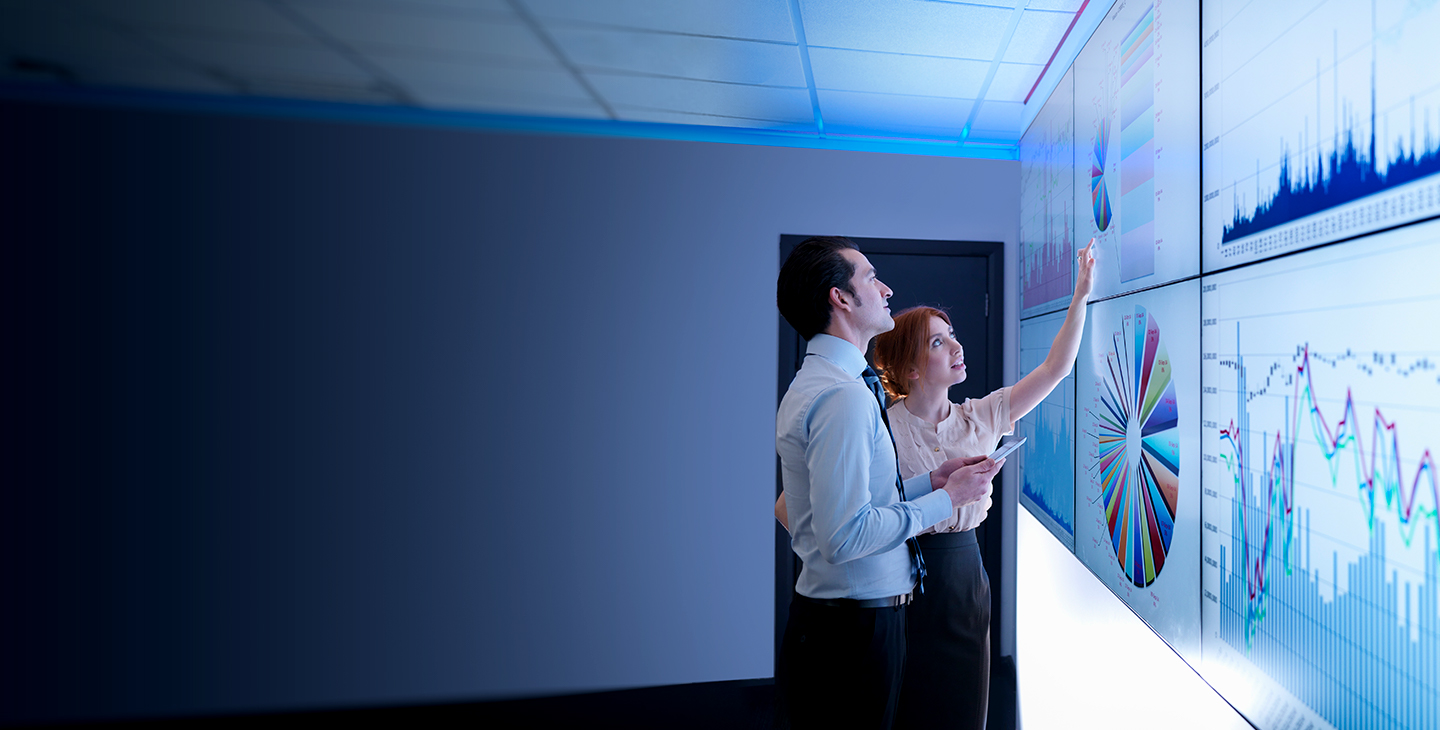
(941, 357)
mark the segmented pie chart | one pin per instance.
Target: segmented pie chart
(1138, 447)
(1099, 196)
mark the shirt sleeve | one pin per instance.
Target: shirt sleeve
(919, 486)
(841, 427)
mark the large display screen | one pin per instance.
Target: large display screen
(1137, 137)
(1137, 493)
(1253, 447)
(1321, 414)
(1321, 122)
(1046, 463)
(1047, 204)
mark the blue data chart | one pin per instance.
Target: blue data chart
(1137, 473)
(1047, 204)
(1137, 151)
(1321, 122)
(1321, 413)
(1047, 460)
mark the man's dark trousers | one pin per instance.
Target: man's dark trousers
(841, 666)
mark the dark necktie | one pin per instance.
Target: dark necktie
(873, 380)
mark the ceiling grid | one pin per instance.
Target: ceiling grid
(923, 71)
(800, 43)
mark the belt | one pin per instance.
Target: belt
(887, 602)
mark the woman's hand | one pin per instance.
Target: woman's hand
(1085, 278)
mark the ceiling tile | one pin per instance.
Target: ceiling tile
(434, 35)
(896, 74)
(270, 60)
(999, 118)
(496, 9)
(753, 19)
(70, 41)
(471, 98)
(631, 114)
(230, 17)
(703, 97)
(1066, 6)
(1012, 82)
(852, 112)
(906, 26)
(552, 81)
(315, 88)
(711, 59)
(155, 76)
(1036, 36)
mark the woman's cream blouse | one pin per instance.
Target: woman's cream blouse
(972, 428)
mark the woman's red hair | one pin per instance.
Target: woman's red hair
(897, 352)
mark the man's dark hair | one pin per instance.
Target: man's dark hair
(803, 290)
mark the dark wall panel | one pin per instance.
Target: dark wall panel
(307, 414)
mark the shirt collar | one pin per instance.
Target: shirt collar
(838, 351)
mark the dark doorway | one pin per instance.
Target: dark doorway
(965, 278)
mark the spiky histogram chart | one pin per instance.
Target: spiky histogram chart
(1321, 414)
(1047, 460)
(1321, 122)
(1137, 505)
(1047, 200)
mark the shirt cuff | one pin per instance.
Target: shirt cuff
(935, 507)
(917, 486)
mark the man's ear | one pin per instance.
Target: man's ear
(838, 299)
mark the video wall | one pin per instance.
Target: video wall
(1243, 453)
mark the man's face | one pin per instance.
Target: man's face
(870, 313)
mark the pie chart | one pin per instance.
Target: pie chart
(1138, 447)
(1099, 196)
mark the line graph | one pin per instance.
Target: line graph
(1319, 121)
(1276, 472)
(1320, 542)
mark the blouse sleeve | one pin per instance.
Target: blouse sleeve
(996, 407)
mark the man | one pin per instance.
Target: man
(844, 645)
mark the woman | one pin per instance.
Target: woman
(947, 667)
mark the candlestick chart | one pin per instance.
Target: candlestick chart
(1321, 540)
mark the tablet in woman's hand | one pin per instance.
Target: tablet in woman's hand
(1007, 449)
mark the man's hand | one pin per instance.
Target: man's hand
(970, 483)
(941, 474)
